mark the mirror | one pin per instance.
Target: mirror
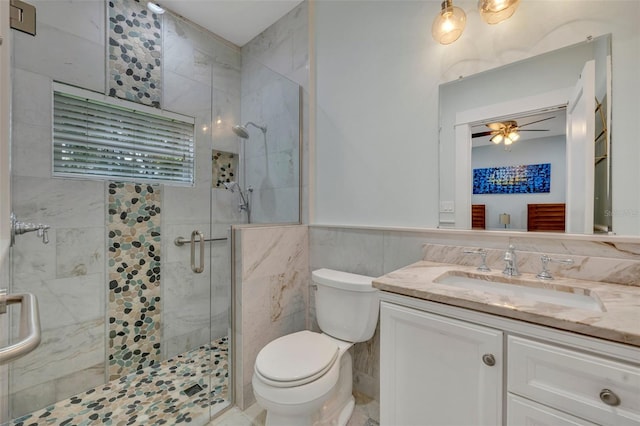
(530, 95)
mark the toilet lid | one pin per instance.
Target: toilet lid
(296, 359)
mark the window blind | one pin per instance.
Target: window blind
(96, 139)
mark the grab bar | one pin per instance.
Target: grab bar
(29, 327)
(179, 241)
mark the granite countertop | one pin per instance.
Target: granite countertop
(614, 316)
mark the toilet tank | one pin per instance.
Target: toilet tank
(346, 304)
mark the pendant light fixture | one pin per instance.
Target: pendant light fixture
(496, 11)
(449, 24)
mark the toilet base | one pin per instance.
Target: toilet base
(336, 410)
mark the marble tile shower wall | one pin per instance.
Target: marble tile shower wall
(274, 64)
(375, 252)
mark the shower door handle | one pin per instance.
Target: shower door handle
(197, 269)
(180, 241)
(29, 326)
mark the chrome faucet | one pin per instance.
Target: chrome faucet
(19, 228)
(511, 262)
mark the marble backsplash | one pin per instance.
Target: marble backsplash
(624, 270)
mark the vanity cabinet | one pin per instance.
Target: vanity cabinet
(434, 370)
(438, 370)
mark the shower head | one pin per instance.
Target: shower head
(241, 131)
(244, 133)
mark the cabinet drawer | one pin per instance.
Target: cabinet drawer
(574, 382)
(523, 412)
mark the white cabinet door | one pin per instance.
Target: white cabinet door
(432, 370)
(523, 412)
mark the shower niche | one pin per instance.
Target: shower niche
(224, 168)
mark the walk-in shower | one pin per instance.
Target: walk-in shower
(131, 333)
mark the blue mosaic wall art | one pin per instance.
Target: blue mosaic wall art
(523, 179)
(135, 52)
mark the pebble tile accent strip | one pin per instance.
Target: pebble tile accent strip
(225, 165)
(152, 396)
(135, 52)
(134, 304)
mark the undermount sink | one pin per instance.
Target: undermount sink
(535, 291)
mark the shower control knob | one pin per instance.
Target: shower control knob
(489, 359)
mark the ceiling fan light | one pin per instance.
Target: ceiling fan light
(497, 138)
(514, 136)
(508, 141)
(449, 24)
(496, 11)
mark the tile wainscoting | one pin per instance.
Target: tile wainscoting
(272, 293)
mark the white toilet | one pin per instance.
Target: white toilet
(305, 378)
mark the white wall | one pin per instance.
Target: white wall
(533, 151)
(378, 71)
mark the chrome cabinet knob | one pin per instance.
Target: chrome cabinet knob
(609, 397)
(489, 359)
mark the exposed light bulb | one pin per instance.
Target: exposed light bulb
(496, 11)
(449, 24)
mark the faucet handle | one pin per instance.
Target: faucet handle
(545, 259)
(43, 232)
(483, 258)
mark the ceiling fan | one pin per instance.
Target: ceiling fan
(508, 131)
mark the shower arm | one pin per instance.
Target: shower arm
(263, 128)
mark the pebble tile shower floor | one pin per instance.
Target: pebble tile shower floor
(152, 396)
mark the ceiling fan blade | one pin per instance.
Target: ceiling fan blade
(533, 130)
(537, 121)
(478, 135)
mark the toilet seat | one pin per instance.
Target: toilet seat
(296, 359)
